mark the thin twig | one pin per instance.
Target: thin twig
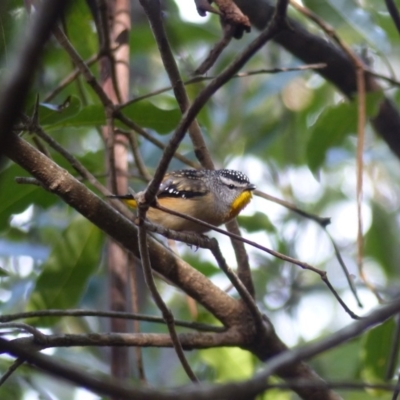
(132, 125)
(140, 164)
(323, 222)
(13, 367)
(217, 49)
(85, 173)
(243, 74)
(83, 68)
(166, 313)
(346, 272)
(301, 264)
(133, 286)
(70, 78)
(39, 336)
(27, 180)
(237, 283)
(107, 314)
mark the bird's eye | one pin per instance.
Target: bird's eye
(231, 186)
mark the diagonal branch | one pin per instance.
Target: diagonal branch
(14, 86)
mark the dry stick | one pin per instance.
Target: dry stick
(320, 220)
(83, 68)
(133, 286)
(26, 180)
(73, 75)
(108, 314)
(393, 81)
(244, 74)
(360, 77)
(346, 272)
(323, 222)
(130, 124)
(236, 282)
(166, 313)
(215, 52)
(39, 145)
(70, 78)
(140, 164)
(13, 367)
(85, 173)
(360, 80)
(323, 274)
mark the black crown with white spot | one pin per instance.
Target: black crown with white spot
(236, 176)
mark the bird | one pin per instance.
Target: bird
(212, 196)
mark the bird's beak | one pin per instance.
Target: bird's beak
(251, 187)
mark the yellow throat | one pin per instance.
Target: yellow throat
(239, 203)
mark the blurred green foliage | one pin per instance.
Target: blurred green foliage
(292, 133)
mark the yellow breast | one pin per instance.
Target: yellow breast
(239, 203)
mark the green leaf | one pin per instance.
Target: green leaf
(230, 364)
(15, 198)
(205, 267)
(256, 222)
(53, 115)
(79, 26)
(384, 250)
(146, 114)
(65, 274)
(376, 351)
(142, 113)
(333, 125)
(92, 115)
